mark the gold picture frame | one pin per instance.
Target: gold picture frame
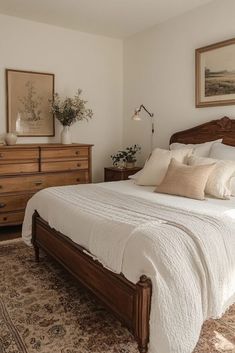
(27, 100)
(215, 74)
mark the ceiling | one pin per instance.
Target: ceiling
(114, 18)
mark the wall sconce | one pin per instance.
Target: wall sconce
(136, 117)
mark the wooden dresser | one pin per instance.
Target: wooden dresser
(26, 169)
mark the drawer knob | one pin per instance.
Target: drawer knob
(1, 187)
(1, 155)
(79, 164)
(77, 152)
(78, 179)
(2, 205)
(5, 218)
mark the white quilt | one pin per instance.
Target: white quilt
(187, 250)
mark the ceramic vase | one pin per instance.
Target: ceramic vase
(66, 136)
(10, 138)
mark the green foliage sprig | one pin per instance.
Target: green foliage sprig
(70, 110)
(127, 155)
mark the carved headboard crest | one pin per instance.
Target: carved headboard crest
(222, 128)
(225, 123)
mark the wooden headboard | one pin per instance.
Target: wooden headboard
(222, 128)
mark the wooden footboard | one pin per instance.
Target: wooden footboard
(129, 302)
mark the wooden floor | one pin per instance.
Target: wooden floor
(7, 233)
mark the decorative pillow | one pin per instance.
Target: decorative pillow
(221, 151)
(199, 149)
(218, 182)
(185, 180)
(156, 166)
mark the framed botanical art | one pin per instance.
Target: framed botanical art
(28, 109)
(215, 74)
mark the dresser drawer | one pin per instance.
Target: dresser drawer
(19, 154)
(14, 202)
(15, 168)
(64, 152)
(69, 178)
(11, 218)
(33, 183)
(64, 165)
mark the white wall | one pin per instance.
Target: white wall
(159, 72)
(78, 60)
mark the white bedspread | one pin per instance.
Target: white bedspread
(186, 247)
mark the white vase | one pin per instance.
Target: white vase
(10, 138)
(65, 136)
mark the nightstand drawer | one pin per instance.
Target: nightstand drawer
(116, 174)
(64, 152)
(113, 176)
(65, 165)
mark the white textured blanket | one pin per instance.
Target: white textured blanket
(190, 256)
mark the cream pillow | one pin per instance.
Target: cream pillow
(218, 182)
(156, 166)
(136, 175)
(185, 180)
(232, 186)
(221, 151)
(199, 149)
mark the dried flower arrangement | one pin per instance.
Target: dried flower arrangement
(70, 110)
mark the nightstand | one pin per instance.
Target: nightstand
(115, 174)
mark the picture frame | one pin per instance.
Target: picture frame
(215, 74)
(27, 103)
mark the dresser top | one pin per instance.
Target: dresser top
(48, 145)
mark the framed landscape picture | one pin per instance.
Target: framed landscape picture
(28, 111)
(215, 74)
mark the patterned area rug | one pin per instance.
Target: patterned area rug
(43, 309)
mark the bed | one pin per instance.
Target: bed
(129, 293)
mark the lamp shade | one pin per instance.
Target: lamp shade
(136, 116)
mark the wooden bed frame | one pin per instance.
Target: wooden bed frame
(129, 302)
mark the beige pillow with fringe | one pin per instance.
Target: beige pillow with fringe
(185, 180)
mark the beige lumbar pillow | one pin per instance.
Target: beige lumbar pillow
(156, 166)
(185, 180)
(218, 182)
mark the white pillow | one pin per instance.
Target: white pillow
(219, 179)
(221, 151)
(199, 149)
(156, 166)
(232, 186)
(136, 175)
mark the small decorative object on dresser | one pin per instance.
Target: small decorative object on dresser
(11, 138)
(68, 111)
(26, 169)
(115, 174)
